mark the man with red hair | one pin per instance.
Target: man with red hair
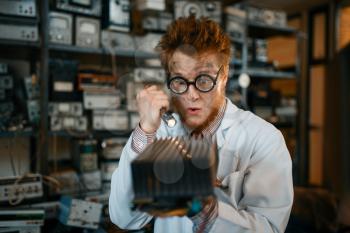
(254, 175)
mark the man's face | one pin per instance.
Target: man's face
(197, 108)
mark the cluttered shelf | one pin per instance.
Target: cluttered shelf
(265, 31)
(25, 35)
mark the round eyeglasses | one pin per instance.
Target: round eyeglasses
(203, 83)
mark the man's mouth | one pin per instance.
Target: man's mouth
(193, 111)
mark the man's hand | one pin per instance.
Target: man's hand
(150, 101)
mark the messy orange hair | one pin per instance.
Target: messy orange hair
(194, 36)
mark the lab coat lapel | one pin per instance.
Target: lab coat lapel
(230, 117)
(227, 159)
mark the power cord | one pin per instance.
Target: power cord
(17, 192)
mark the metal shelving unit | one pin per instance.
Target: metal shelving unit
(264, 31)
(258, 73)
(49, 50)
(26, 50)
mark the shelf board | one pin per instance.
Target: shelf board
(272, 74)
(264, 31)
(92, 134)
(28, 133)
(122, 53)
(74, 49)
(19, 19)
(268, 74)
(136, 53)
(16, 43)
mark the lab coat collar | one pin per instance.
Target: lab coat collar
(230, 117)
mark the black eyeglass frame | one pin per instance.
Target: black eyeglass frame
(188, 83)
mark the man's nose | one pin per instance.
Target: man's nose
(192, 93)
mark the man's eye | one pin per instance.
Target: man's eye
(179, 82)
(204, 80)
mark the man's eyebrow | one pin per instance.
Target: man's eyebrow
(177, 74)
(205, 68)
(209, 65)
(199, 70)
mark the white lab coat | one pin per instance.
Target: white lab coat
(254, 164)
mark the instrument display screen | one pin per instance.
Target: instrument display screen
(88, 28)
(85, 3)
(59, 22)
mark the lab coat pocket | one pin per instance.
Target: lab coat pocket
(233, 183)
